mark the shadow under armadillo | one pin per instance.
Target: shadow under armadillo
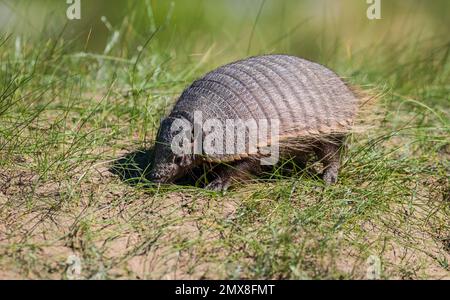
(134, 169)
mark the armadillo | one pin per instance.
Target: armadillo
(314, 107)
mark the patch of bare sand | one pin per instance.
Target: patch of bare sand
(181, 242)
(109, 225)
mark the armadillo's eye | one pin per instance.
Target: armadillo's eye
(178, 160)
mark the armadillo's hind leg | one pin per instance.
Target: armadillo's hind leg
(329, 153)
(234, 172)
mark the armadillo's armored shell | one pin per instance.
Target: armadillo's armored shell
(307, 98)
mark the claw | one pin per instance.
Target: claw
(218, 185)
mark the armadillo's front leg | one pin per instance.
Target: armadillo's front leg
(329, 154)
(237, 171)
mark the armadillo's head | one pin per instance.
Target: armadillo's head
(168, 165)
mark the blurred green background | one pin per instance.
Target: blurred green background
(315, 29)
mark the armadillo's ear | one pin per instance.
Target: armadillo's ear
(163, 120)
